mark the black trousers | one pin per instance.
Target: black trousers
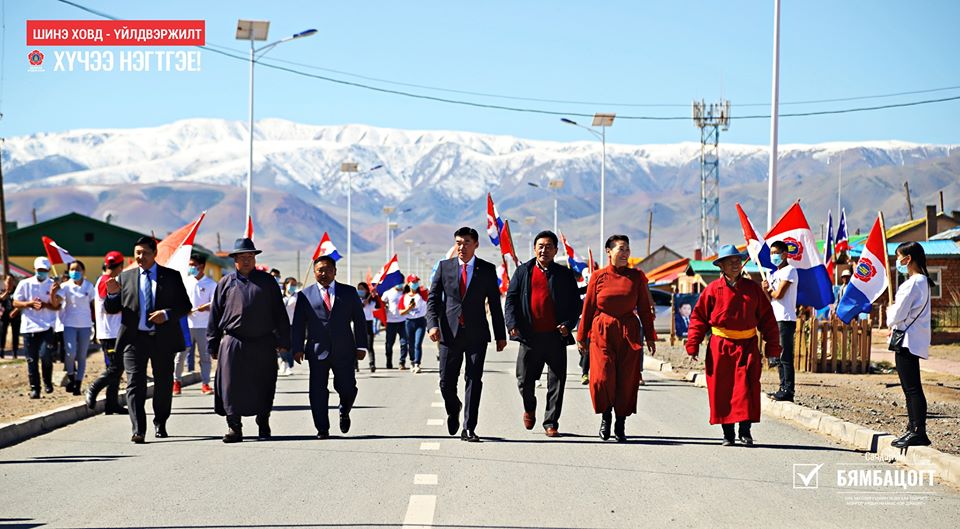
(370, 335)
(344, 383)
(451, 360)
(785, 365)
(14, 325)
(39, 352)
(394, 330)
(110, 377)
(543, 348)
(135, 357)
(908, 368)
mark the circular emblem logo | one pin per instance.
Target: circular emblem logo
(794, 249)
(35, 57)
(865, 270)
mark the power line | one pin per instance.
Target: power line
(228, 52)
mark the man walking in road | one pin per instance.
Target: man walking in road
(542, 309)
(457, 319)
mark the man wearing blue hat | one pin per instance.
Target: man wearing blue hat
(732, 309)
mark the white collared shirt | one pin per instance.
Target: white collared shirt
(200, 292)
(912, 302)
(331, 291)
(470, 266)
(35, 320)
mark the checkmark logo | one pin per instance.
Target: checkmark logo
(806, 476)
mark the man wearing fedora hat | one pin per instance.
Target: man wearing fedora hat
(732, 308)
(248, 326)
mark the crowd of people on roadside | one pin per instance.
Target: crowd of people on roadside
(259, 327)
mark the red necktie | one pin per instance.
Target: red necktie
(326, 298)
(463, 290)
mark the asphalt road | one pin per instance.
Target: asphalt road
(398, 468)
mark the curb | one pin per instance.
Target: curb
(655, 364)
(860, 437)
(27, 427)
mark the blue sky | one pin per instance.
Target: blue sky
(637, 52)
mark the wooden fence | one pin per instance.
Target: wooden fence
(831, 346)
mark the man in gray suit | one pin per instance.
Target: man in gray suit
(322, 319)
(457, 319)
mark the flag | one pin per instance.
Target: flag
(842, 241)
(55, 252)
(248, 231)
(814, 288)
(369, 276)
(390, 276)
(506, 244)
(757, 247)
(575, 263)
(326, 247)
(828, 246)
(175, 249)
(869, 279)
(503, 277)
(494, 222)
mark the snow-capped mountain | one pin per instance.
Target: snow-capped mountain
(442, 177)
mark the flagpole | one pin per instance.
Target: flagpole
(774, 111)
(886, 259)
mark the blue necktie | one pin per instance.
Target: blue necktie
(147, 288)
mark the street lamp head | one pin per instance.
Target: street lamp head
(568, 121)
(305, 33)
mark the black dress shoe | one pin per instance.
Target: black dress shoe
(48, 388)
(323, 435)
(344, 422)
(35, 393)
(264, 433)
(727, 441)
(783, 396)
(469, 436)
(233, 435)
(137, 439)
(453, 421)
(619, 431)
(605, 426)
(161, 431)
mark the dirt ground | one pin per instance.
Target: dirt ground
(15, 399)
(875, 401)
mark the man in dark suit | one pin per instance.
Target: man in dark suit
(322, 318)
(542, 309)
(151, 299)
(457, 319)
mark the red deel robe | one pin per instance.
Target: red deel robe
(615, 297)
(733, 366)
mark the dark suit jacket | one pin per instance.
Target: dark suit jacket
(323, 331)
(170, 296)
(562, 283)
(444, 306)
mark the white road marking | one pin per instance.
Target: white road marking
(435, 422)
(420, 512)
(429, 446)
(436, 405)
(425, 479)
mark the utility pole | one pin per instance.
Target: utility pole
(906, 188)
(4, 252)
(649, 231)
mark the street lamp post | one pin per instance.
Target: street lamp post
(602, 120)
(257, 30)
(556, 184)
(388, 210)
(350, 168)
(530, 220)
(409, 263)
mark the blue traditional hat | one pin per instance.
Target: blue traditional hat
(244, 246)
(728, 250)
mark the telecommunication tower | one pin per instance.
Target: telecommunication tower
(710, 119)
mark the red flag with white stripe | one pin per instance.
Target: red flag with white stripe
(56, 253)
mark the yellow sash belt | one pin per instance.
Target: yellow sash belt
(731, 334)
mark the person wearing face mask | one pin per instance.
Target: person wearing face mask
(413, 305)
(370, 304)
(396, 326)
(37, 297)
(77, 296)
(909, 316)
(200, 289)
(613, 336)
(108, 326)
(290, 288)
(782, 289)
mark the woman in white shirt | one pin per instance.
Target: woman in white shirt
(910, 314)
(290, 288)
(78, 295)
